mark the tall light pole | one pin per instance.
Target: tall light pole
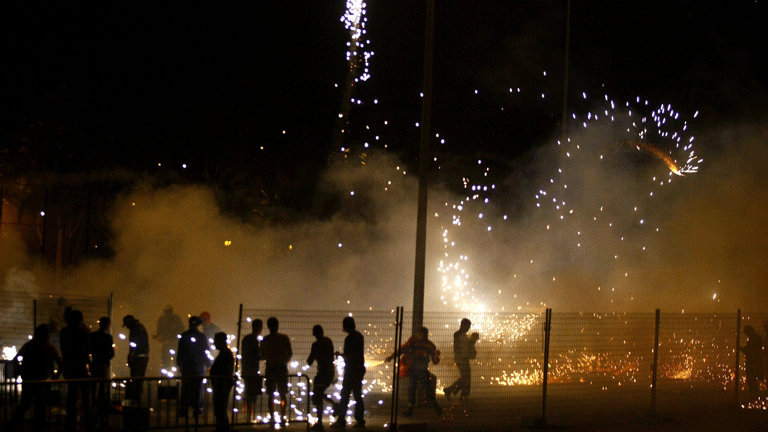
(421, 219)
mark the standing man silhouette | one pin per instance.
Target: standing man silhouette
(193, 361)
(276, 352)
(463, 352)
(322, 352)
(250, 366)
(169, 327)
(75, 353)
(138, 356)
(222, 381)
(37, 360)
(102, 353)
(354, 371)
(753, 353)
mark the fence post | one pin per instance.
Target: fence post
(655, 367)
(737, 377)
(237, 361)
(547, 332)
(110, 306)
(396, 368)
(2, 199)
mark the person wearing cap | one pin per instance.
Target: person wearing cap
(169, 327)
(463, 352)
(192, 360)
(138, 356)
(209, 329)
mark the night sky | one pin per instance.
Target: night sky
(208, 86)
(242, 101)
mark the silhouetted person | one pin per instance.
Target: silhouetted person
(463, 352)
(138, 357)
(249, 351)
(222, 381)
(420, 350)
(276, 352)
(753, 353)
(102, 352)
(192, 360)
(354, 371)
(209, 329)
(322, 352)
(169, 327)
(75, 353)
(37, 360)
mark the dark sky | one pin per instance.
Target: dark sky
(248, 96)
(215, 87)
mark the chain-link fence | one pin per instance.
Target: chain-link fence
(601, 367)
(598, 363)
(506, 375)
(22, 312)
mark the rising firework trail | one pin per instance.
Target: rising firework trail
(358, 55)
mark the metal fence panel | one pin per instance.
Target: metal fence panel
(697, 359)
(599, 362)
(22, 311)
(600, 367)
(506, 374)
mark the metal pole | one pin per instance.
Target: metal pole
(109, 308)
(737, 377)
(45, 214)
(547, 333)
(655, 367)
(421, 221)
(88, 242)
(396, 368)
(2, 200)
(237, 359)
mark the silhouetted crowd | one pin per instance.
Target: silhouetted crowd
(85, 361)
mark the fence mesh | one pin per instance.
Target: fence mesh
(506, 374)
(599, 360)
(22, 311)
(600, 364)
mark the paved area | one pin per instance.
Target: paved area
(727, 419)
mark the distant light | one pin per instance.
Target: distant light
(42, 213)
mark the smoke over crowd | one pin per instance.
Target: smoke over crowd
(174, 245)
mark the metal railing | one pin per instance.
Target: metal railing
(148, 403)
